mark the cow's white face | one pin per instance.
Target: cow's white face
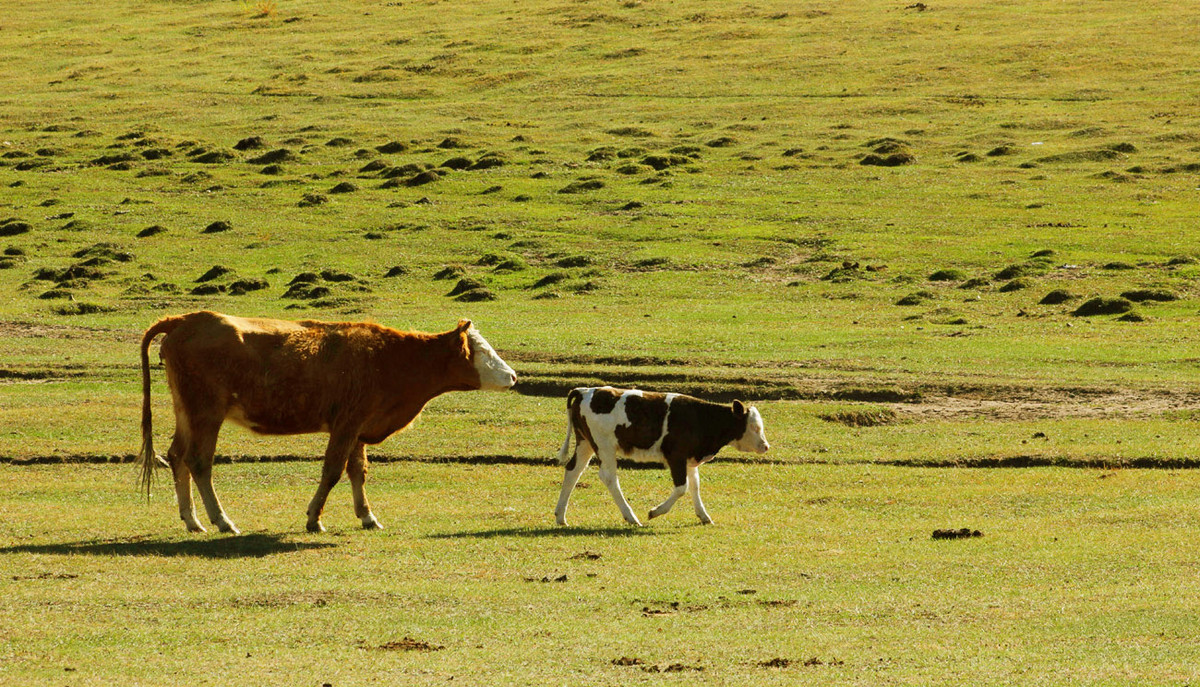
(494, 373)
(753, 440)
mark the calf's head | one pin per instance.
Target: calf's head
(752, 440)
(494, 374)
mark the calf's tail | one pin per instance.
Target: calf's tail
(573, 400)
(148, 458)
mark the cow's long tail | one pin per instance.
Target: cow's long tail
(148, 458)
(573, 400)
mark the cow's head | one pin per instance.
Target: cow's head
(494, 373)
(753, 440)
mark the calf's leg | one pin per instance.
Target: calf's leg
(356, 469)
(337, 453)
(574, 468)
(608, 475)
(679, 476)
(693, 478)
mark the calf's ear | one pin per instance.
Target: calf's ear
(463, 325)
(738, 409)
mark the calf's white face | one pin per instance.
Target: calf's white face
(494, 373)
(753, 440)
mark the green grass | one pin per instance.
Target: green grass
(827, 562)
(765, 263)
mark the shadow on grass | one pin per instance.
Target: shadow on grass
(244, 546)
(533, 532)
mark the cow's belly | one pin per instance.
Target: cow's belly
(643, 455)
(274, 425)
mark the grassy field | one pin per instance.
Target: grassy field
(882, 222)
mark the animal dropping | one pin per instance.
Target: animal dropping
(357, 381)
(679, 431)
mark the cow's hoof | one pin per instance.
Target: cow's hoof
(706, 521)
(195, 527)
(652, 515)
(227, 527)
(315, 527)
(370, 523)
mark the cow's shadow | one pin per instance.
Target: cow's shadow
(219, 546)
(555, 531)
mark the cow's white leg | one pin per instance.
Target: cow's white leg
(665, 507)
(693, 480)
(337, 453)
(575, 468)
(608, 475)
(203, 446)
(183, 484)
(356, 469)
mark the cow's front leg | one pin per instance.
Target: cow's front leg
(337, 453)
(356, 469)
(679, 476)
(693, 478)
(608, 475)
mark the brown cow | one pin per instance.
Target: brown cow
(360, 382)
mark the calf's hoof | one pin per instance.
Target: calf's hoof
(228, 527)
(315, 527)
(370, 523)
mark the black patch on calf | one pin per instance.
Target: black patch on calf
(698, 429)
(646, 414)
(604, 400)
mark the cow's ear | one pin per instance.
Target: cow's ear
(738, 409)
(463, 325)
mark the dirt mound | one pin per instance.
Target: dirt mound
(1078, 156)
(392, 147)
(426, 177)
(397, 271)
(250, 143)
(339, 142)
(214, 272)
(457, 163)
(582, 186)
(464, 285)
(867, 417)
(214, 157)
(108, 251)
(1142, 295)
(631, 131)
(244, 286)
(13, 227)
(1103, 306)
(452, 143)
(1057, 297)
(476, 296)
(217, 227)
(309, 200)
(1016, 285)
(964, 533)
(344, 187)
(274, 157)
(410, 644)
(893, 160)
(948, 275)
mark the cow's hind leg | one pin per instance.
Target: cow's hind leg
(183, 483)
(608, 475)
(574, 468)
(337, 454)
(693, 478)
(679, 476)
(356, 469)
(203, 444)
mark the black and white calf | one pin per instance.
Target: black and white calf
(674, 429)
